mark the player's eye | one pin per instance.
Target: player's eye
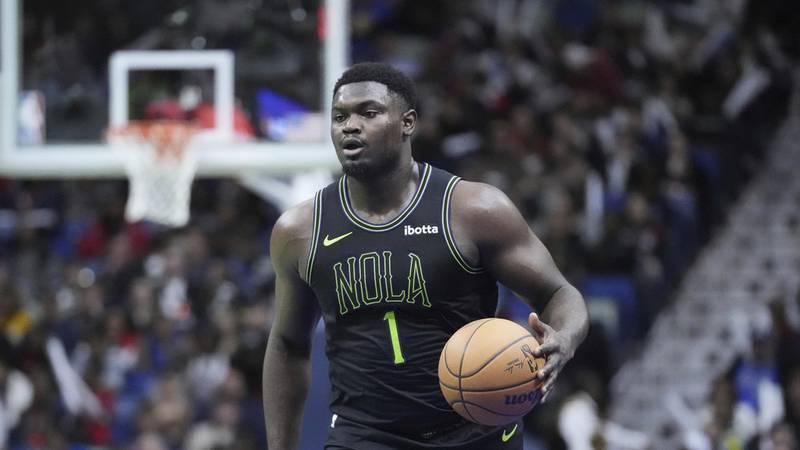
(338, 118)
(370, 114)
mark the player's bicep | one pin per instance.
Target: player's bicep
(523, 264)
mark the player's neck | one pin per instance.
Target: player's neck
(388, 192)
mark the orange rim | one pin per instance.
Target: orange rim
(167, 137)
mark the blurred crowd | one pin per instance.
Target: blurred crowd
(622, 129)
(755, 403)
(132, 335)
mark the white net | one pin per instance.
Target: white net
(160, 165)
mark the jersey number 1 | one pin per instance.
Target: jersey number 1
(398, 353)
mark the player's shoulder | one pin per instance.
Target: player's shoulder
(293, 229)
(296, 220)
(482, 213)
(477, 200)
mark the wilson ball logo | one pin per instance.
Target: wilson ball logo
(408, 230)
(532, 397)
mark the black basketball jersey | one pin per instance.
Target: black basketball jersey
(391, 295)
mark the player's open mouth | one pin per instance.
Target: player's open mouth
(352, 146)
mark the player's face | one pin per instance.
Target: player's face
(367, 129)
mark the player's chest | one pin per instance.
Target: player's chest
(407, 266)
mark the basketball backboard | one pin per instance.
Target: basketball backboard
(265, 72)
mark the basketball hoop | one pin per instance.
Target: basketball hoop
(160, 164)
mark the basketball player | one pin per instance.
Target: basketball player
(396, 256)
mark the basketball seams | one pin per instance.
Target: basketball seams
(499, 388)
(447, 364)
(444, 351)
(461, 366)
(488, 361)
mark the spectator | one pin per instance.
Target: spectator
(759, 395)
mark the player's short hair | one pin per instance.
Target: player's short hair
(395, 80)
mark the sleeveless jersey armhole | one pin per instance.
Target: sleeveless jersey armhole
(448, 234)
(312, 248)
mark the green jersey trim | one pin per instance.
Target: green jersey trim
(448, 235)
(312, 250)
(347, 207)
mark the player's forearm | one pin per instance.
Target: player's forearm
(286, 376)
(566, 313)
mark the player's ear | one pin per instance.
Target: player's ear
(409, 121)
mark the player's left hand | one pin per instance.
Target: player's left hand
(554, 348)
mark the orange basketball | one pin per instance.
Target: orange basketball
(487, 371)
